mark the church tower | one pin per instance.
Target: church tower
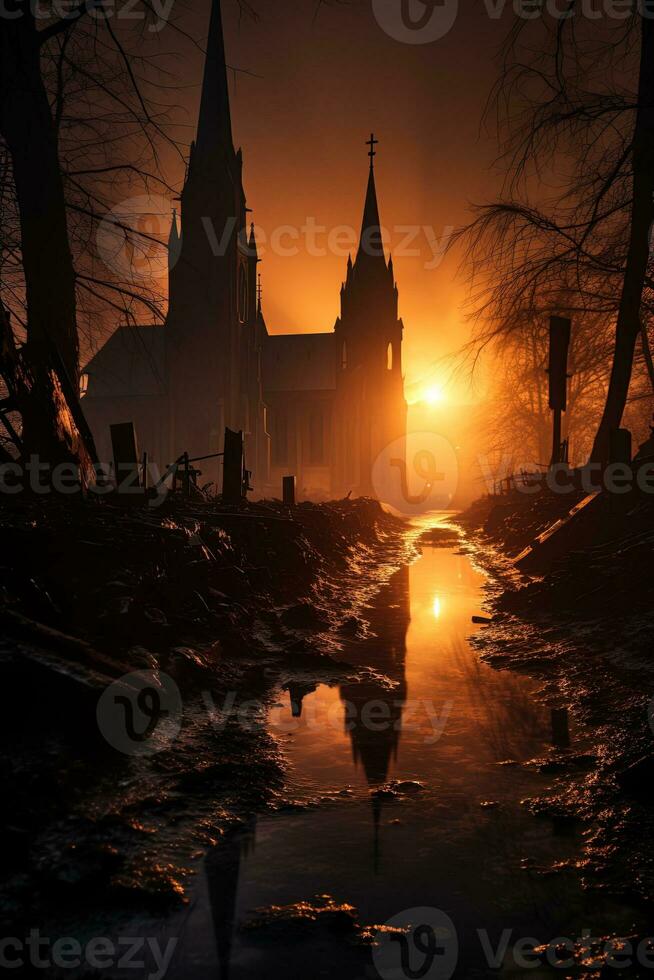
(213, 358)
(370, 409)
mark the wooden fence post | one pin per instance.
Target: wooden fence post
(126, 459)
(233, 468)
(288, 490)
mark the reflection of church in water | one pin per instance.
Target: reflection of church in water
(374, 747)
(320, 406)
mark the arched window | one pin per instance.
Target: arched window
(344, 356)
(389, 357)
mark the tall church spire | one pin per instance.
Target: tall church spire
(371, 244)
(174, 243)
(215, 124)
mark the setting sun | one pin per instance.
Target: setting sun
(433, 395)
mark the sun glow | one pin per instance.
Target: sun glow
(433, 395)
(436, 607)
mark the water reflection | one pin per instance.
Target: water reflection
(373, 709)
(298, 692)
(223, 869)
(560, 728)
(427, 711)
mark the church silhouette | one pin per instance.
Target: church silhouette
(319, 406)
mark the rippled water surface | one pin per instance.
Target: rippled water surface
(415, 779)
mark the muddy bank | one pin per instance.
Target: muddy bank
(227, 605)
(434, 809)
(584, 627)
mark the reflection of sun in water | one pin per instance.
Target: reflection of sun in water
(436, 607)
(433, 395)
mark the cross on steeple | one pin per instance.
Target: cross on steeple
(372, 142)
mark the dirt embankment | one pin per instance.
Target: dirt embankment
(230, 604)
(584, 626)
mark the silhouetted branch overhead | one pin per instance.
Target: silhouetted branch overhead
(66, 23)
(92, 93)
(570, 234)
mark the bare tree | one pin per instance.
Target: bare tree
(82, 127)
(518, 415)
(575, 116)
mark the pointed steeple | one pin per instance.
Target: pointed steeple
(371, 244)
(253, 288)
(174, 242)
(371, 208)
(369, 293)
(214, 123)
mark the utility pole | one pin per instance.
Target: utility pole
(558, 380)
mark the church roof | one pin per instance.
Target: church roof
(131, 364)
(300, 362)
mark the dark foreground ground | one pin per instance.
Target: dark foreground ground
(227, 604)
(583, 623)
(233, 606)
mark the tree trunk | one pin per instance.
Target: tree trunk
(647, 352)
(642, 213)
(27, 126)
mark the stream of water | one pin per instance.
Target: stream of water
(416, 793)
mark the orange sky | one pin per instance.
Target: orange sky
(319, 85)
